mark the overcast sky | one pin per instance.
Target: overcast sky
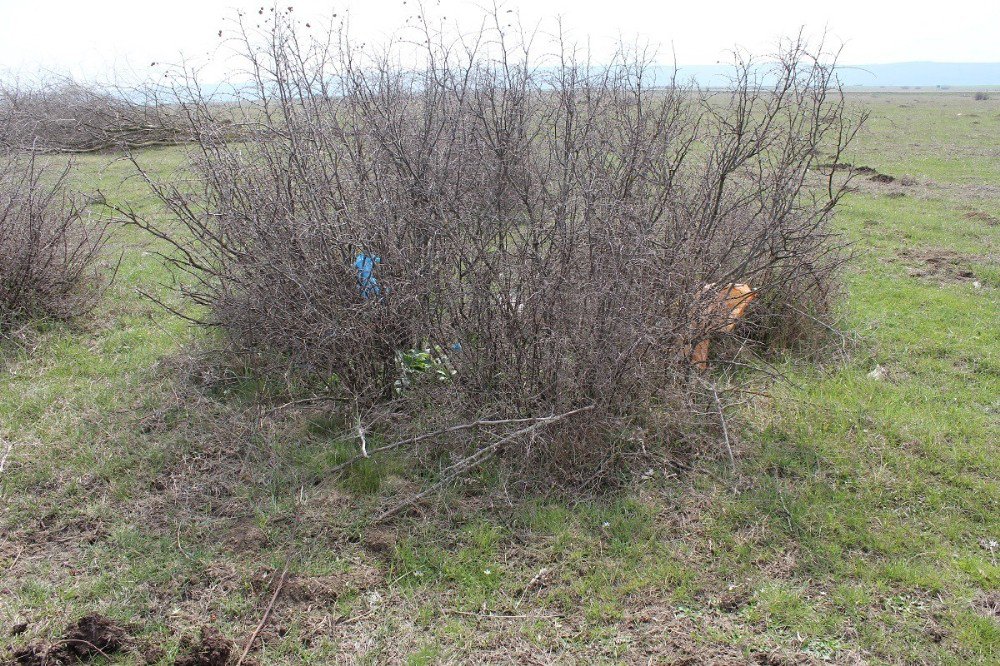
(98, 38)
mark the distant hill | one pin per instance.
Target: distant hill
(889, 74)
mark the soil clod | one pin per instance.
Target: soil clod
(732, 600)
(989, 604)
(31, 655)
(939, 263)
(982, 217)
(91, 636)
(213, 649)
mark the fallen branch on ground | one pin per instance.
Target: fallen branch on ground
(725, 428)
(479, 456)
(437, 433)
(6, 453)
(267, 614)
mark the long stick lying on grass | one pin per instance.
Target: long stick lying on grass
(437, 433)
(725, 428)
(267, 611)
(6, 453)
(479, 456)
(281, 580)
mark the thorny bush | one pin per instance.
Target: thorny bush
(541, 228)
(50, 246)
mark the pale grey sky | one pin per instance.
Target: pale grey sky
(98, 38)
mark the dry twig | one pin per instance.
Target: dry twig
(6, 453)
(725, 427)
(479, 456)
(267, 612)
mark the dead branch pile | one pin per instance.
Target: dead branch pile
(67, 117)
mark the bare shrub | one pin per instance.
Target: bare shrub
(48, 244)
(981, 96)
(544, 228)
(69, 117)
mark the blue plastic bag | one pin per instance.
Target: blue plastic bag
(367, 283)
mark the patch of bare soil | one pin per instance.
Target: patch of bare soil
(660, 635)
(325, 590)
(940, 264)
(211, 649)
(776, 658)
(91, 636)
(873, 174)
(980, 216)
(53, 536)
(732, 600)
(905, 180)
(247, 538)
(35, 654)
(876, 182)
(935, 631)
(380, 542)
(988, 604)
(309, 601)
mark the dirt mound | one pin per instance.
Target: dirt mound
(873, 174)
(732, 600)
(380, 542)
(212, 649)
(939, 263)
(32, 655)
(876, 176)
(91, 636)
(988, 604)
(776, 658)
(982, 217)
(327, 589)
(318, 589)
(835, 166)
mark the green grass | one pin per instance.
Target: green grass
(862, 521)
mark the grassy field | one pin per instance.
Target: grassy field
(144, 480)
